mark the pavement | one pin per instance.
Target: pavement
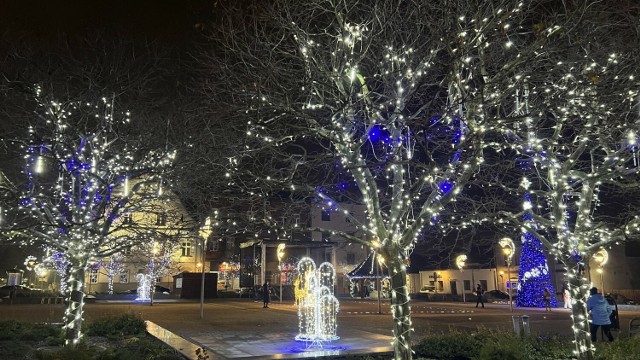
(242, 329)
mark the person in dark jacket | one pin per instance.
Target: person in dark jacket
(479, 293)
(600, 311)
(266, 294)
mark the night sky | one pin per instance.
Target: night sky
(170, 21)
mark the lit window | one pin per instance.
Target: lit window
(186, 248)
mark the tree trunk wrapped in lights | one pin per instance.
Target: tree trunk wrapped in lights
(386, 104)
(84, 182)
(579, 137)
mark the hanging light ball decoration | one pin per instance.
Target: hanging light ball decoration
(318, 307)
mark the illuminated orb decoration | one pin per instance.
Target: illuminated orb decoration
(317, 307)
(144, 287)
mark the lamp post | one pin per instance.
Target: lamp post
(601, 257)
(280, 253)
(205, 232)
(508, 248)
(460, 262)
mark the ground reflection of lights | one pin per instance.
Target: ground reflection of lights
(297, 347)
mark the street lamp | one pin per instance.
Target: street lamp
(508, 248)
(601, 257)
(460, 262)
(205, 232)
(280, 253)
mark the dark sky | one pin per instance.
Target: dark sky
(171, 21)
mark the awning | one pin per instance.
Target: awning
(367, 269)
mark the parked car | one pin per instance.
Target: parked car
(498, 295)
(428, 289)
(158, 289)
(621, 299)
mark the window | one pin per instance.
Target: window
(124, 277)
(186, 248)
(467, 285)
(483, 283)
(326, 215)
(326, 237)
(161, 219)
(213, 245)
(93, 276)
(351, 258)
(296, 220)
(127, 219)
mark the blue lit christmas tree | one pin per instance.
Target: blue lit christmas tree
(534, 275)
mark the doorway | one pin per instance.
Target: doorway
(454, 287)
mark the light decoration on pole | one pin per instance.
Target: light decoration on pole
(601, 257)
(280, 254)
(460, 263)
(508, 248)
(318, 307)
(205, 232)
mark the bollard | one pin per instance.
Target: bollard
(516, 324)
(525, 325)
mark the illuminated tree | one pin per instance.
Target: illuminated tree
(388, 104)
(86, 174)
(534, 275)
(112, 267)
(156, 257)
(578, 137)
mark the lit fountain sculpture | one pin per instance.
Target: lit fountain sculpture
(144, 287)
(317, 306)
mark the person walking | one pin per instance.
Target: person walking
(600, 311)
(479, 293)
(266, 294)
(546, 297)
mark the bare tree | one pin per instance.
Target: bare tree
(390, 104)
(84, 180)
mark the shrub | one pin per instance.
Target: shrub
(13, 330)
(118, 326)
(492, 345)
(621, 349)
(80, 352)
(454, 345)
